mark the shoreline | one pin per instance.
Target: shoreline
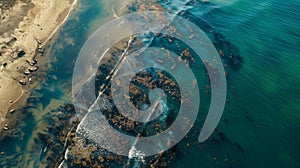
(38, 26)
(61, 23)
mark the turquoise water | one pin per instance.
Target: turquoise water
(261, 122)
(267, 86)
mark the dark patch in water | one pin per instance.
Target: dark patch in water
(226, 50)
(61, 128)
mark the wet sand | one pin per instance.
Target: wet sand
(25, 28)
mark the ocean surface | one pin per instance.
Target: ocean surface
(261, 122)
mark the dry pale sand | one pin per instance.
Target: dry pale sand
(24, 26)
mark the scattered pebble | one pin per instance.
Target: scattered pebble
(27, 73)
(33, 69)
(41, 51)
(5, 127)
(38, 41)
(22, 82)
(33, 62)
(21, 53)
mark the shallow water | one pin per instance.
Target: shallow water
(260, 124)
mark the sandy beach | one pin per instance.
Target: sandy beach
(25, 28)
